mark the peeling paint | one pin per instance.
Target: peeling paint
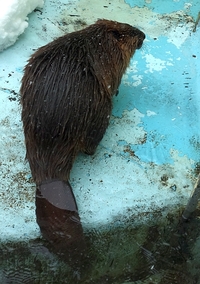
(155, 64)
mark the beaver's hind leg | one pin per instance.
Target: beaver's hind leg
(95, 134)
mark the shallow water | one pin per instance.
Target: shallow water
(162, 251)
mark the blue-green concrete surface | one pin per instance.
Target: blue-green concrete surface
(164, 7)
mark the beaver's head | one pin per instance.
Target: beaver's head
(127, 36)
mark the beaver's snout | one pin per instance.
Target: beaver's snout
(141, 38)
(139, 35)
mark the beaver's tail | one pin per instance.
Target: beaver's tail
(57, 215)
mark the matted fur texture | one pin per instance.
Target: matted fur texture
(67, 91)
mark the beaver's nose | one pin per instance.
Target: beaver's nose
(141, 37)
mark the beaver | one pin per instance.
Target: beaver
(66, 97)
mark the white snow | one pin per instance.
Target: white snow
(14, 20)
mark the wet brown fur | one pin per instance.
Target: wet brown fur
(67, 91)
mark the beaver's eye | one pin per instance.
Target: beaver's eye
(117, 35)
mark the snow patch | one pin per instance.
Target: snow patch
(13, 19)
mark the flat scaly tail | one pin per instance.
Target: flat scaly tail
(58, 218)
